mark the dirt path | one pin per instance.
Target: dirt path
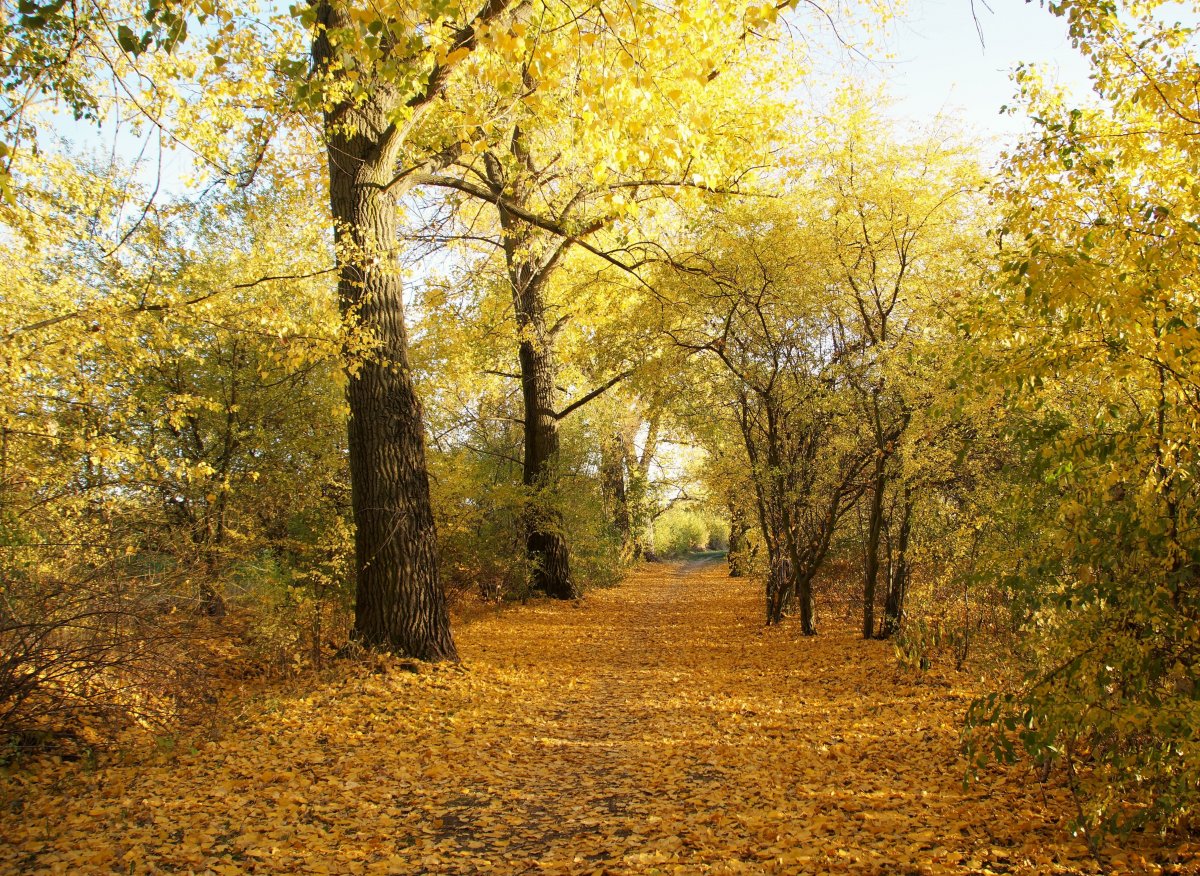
(657, 728)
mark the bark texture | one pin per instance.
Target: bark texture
(874, 532)
(545, 539)
(740, 552)
(893, 610)
(399, 602)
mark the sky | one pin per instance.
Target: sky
(940, 64)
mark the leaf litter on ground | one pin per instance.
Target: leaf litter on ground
(656, 727)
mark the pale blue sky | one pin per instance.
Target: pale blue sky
(940, 65)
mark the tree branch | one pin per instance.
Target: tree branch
(594, 394)
(158, 308)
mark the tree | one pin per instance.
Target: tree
(399, 602)
(632, 422)
(896, 216)
(766, 322)
(556, 192)
(827, 310)
(1094, 328)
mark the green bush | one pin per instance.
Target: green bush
(681, 531)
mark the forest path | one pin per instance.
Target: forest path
(656, 727)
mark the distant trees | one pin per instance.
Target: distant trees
(821, 315)
(626, 478)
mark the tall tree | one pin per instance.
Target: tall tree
(369, 114)
(558, 192)
(749, 305)
(901, 241)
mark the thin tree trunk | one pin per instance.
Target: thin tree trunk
(893, 611)
(399, 602)
(803, 569)
(645, 546)
(798, 581)
(739, 543)
(779, 580)
(874, 528)
(612, 485)
(778, 571)
(808, 603)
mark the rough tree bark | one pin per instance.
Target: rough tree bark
(739, 555)
(545, 541)
(399, 602)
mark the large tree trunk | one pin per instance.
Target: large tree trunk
(874, 530)
(399, 602)
(545, 540)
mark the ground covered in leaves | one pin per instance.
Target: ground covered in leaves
(655, 728)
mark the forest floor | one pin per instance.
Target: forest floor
(654, 728)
